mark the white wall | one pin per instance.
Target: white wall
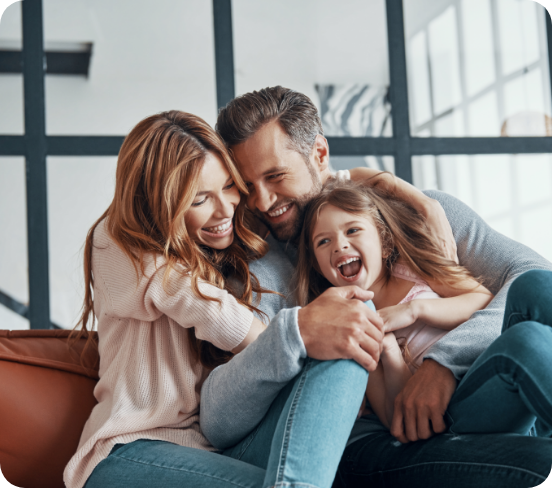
(149, 57)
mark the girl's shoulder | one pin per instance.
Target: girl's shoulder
(420, 289)
(404, 272)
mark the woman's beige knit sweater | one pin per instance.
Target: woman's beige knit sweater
(149, 387)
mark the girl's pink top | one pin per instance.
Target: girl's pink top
(419, 336)
(149, 383)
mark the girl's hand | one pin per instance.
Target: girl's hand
(398, 316)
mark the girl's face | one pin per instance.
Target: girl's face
(348, 249)
(209, 219)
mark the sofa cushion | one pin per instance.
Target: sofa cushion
(46, 396)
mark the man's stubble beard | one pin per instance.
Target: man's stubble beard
(290, 230)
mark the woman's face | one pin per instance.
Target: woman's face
(209, 219)
(348, 249)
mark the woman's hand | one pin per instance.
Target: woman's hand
(398, 316)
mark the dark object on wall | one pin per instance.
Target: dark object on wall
(58, 62)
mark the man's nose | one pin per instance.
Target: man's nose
(260, 198)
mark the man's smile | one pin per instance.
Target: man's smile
(279, 214)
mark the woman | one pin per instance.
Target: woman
(167, 278)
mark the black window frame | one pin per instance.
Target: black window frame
(36, 146)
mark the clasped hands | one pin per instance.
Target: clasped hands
(338, 325)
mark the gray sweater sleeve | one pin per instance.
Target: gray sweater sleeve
(497, 260)
(236, 396)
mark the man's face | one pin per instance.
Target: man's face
(279, 180)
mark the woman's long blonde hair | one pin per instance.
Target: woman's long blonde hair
(158, 170)
(402, 230)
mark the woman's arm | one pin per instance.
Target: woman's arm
(429, 208)
(256, 328)
(389, 379)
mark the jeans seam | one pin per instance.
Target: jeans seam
(289, 423)
(179, 469)
(248, 442)
(512, 314)
(486, 465)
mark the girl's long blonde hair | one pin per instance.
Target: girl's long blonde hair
(158, 170)
(402, 230)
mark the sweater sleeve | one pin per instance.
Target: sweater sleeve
(237, 395)
(221, 321)
(495, 258)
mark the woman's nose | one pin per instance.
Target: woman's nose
(226, 207)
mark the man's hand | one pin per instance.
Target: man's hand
(337, 325)
(424, 399)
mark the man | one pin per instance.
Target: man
(277, 141)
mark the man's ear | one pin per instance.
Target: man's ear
(321, 151)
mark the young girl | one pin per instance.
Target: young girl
(356, 235)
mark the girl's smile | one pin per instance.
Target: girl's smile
(348, 249)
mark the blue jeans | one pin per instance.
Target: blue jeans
(298, 444)
(506, 389)
(509, 387)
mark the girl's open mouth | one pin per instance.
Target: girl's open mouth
(350, 268)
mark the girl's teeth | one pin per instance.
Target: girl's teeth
(350, 260)
(278, 212)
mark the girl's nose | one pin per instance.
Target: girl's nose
(341, 245)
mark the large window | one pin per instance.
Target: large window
(450, 94)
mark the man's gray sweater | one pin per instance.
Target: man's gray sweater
(236, 396)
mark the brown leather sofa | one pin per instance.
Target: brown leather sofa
(46, 396)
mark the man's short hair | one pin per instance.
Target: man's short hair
(295, 112)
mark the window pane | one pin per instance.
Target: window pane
(421, 96)
(483, 118)
(335, 53)
(14, 279)
(444, 59)
(143, 60)
(451, 124)
(382, 163)
(518, 26)
(487, 58)
(513, 193)
(11, 84)
(79, 191)
(478, 44)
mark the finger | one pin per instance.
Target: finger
(353, 291)
(424, 429)
(364, 359)
(370, 315)
(370, 346)
(397, 424)
(410, 421)
(438, 423)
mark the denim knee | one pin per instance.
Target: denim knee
(525, 340)
(533, 285)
